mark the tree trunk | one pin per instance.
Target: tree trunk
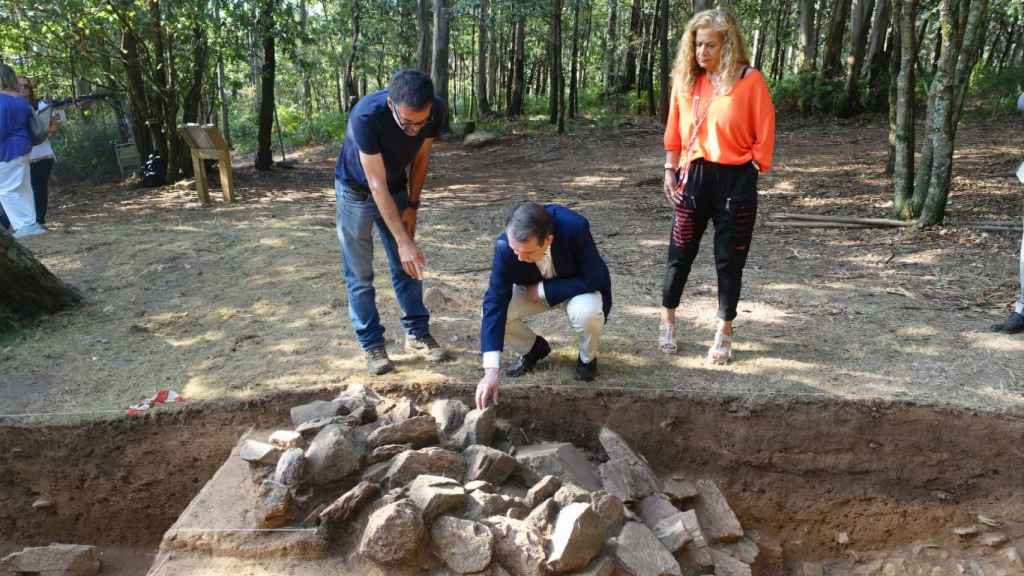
(635, 38)
(515, 105)
(574, 65)
(903, 136)
(832, 66)
(862, 16)
(649, 65)
(764, 25)
(663, 72)
(423, 19)
(225, 124)
(807, 41)
(29, 289)
(555, 59)
(351, 89)
(483, 105)
(264, 158)
(699, 5)
(200, 53)
(492, 62)
(952, 77)
(439, 60)
(307, 83)
(611, 54)
(879, 53)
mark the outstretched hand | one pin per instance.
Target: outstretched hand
(487, 389)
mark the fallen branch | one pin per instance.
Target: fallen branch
(798, 224)
(874, 222)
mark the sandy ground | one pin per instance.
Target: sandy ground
(242, 299)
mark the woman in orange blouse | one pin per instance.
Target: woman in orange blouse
(720, 136)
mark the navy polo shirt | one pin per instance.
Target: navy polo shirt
(372, 129)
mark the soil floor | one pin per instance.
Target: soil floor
(239, 300)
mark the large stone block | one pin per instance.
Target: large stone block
(464, 546)
(577, 539)
(517, 547)
(408, 465)
(486, 463)
(726, 565)
(52, 560)
(435, 495)
(449, 414)
(477, 428)
(557, 459)
(333, 455)
(259, 453)
(665, 520)
(716, 518)
(316, 410)
(638, 551)
(393, 533)
(291, 468)
(418, 431)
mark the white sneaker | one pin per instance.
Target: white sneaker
(33, 229)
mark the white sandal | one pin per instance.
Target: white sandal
(667, 339)
(721, 352)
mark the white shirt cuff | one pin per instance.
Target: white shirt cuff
(492, 359)
(540, 290)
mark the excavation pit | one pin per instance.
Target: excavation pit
(848, 486)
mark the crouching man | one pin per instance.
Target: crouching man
(545, 259)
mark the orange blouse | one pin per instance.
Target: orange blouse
(739, 127)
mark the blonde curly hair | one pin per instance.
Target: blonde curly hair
(734, 51)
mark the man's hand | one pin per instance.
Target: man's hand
(413, 260)
(409, 222)
(533, 292)
(487, 389)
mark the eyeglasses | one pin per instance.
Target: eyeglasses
(408, 126)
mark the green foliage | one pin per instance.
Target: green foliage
(324, 127)
(994, 93)
(807, 93)
(85, 149)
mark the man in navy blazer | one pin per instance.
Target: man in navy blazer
(546, 258)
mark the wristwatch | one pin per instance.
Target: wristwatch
(413, 205)
(670, 166)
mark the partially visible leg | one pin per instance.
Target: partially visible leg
(688, 225)
(355, 233)
(41, 187)
(519, 337)
(586, 316)
(734, 215)
(16, 198)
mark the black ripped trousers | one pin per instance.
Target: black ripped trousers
(726, 195)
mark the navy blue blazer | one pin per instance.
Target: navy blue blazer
(579, 269)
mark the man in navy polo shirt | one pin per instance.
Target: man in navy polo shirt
(378, 180)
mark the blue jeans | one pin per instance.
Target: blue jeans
(357, 215)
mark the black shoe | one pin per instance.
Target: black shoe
(1013, 324)
(586, 372)
(527, 361)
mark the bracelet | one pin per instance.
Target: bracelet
(413, 205)
(669, 166)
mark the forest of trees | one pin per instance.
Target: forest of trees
(251, 65)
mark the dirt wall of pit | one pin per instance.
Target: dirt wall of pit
(887, 473)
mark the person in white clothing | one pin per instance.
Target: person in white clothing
(42, 157)
(15, 147)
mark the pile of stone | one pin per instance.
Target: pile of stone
(457, 491)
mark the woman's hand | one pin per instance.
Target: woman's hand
(670, 186)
